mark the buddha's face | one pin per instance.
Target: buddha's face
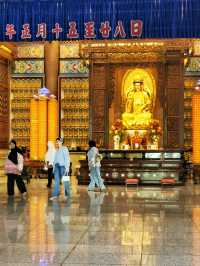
(137, 86)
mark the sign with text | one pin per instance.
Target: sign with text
(90, 29)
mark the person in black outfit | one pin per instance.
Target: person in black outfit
(13, 169)
(49, 159)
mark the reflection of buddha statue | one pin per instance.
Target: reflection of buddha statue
(138, 106)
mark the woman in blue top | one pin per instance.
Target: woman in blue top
(61, 168)
(94, 167)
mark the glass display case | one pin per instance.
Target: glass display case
(150, 166)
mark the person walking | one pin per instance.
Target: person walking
(13, 169)
(61, 166)
(49, 159)
(94, 165)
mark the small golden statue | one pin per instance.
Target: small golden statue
(138, 106)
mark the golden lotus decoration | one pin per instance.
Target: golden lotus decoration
(138, 98)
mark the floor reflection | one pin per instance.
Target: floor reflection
(150, 226)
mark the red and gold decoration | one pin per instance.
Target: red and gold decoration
(136, 138)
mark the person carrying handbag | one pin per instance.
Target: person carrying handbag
(94, 159)
(13, 169)
(61, 166)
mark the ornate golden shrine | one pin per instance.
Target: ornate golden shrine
(109, 65)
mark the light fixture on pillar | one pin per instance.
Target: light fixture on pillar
(43, 91)
(197, 87)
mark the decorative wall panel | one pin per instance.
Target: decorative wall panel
(173, 105)
(28, 67)
(73, 67)
(69, 50)
(172, 123)
(22, 91)
(173, 139)
(30, 51)
(75, 111)
(98, 108)
(98, 111)
(174, 102)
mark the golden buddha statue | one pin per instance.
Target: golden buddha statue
(138, 106)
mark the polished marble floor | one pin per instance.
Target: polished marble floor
(146, 227)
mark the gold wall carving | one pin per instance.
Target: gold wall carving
(30, 51)
(196, 47)
(22, 91)
(69, 50)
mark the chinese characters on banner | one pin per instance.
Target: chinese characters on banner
(90, 31)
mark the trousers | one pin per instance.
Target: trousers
(59, 171)
(50, 176)
(11, 183)
(95, 178)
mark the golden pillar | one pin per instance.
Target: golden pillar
(53, 119)
(52, 66)
(196, 128)
(34, 129)
(42, 127)
(196, 135)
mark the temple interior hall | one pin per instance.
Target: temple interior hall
(145, 224)
(117, 83)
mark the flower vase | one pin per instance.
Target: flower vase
(155, 143)
(116, 141)
(137, 146)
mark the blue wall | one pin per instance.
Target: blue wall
(161, 18)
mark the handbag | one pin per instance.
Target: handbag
(11, 168)
(98, 157)
(65, 178)
(45, 168)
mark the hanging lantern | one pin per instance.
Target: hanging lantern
(42, 129)
(53, 119)
(196, 128)
(34, 129)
